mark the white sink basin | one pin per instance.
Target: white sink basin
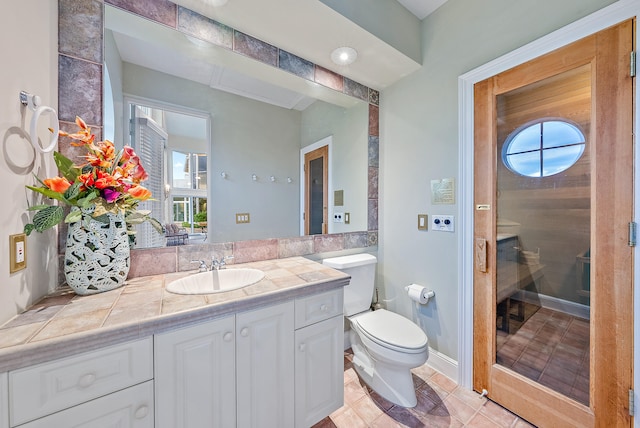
(215, 281)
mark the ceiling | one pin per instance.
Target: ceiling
(421, 8)
(378, 66)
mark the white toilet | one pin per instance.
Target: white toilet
(386, 346)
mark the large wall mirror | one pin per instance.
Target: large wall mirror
(226, 137)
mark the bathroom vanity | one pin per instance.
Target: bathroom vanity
(268, 355)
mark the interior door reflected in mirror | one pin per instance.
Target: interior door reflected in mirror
(316, 195)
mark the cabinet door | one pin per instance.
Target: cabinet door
(4, 400)
(131, 407)
(265, 367)
(195, 376)
(319, 370)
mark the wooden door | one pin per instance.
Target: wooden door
(316, 195)
(586, 84)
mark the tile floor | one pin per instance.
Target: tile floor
(551, 348)
(441, 403)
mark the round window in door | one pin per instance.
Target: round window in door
(543, 147)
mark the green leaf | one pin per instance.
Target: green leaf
(37, 207)
(104, 218)
(73, 191)
(47, 218)
(66, 167)
(86, 202)
(48, 193)
(156, 225)
(73, 216)
(28, 228)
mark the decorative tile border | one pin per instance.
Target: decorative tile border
(80, 53)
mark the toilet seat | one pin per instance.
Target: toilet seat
(392, 331)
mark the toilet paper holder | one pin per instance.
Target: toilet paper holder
(419, 293)
(33, 102)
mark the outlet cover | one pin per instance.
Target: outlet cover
(17, 252)
(442, 223)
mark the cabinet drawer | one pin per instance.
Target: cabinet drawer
(318, 307)
(56, 385)
(131, 407)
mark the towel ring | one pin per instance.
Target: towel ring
(33, 102)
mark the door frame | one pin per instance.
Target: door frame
(326, 141)
(606, 17)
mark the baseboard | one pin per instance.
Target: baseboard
(443, 364)
(560, 305)
(437, 361)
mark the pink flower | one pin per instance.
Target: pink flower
(110, 195)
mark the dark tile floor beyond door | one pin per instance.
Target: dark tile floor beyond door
(441, 403)
(551, 348)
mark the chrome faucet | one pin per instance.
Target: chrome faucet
(219, 264)
(203, 265)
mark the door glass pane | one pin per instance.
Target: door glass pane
(316, 193)
(543, 236)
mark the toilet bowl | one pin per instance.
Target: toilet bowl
(385, 345)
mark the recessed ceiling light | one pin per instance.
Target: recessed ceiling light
(344, 55)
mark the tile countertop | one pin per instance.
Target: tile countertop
(64, 324)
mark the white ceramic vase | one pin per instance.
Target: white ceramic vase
(96, 258)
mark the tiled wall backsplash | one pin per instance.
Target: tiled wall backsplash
(154, 261)
(80, 60)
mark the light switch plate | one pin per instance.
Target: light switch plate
(242, 218)
(422, 222)
(17, 252)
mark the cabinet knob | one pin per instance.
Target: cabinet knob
(324, 308)
(86, 380)
(142, 411)
(228, 336)
(302, 347)
(244, 332)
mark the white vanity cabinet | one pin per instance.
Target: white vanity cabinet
(264, 367)
(131, 407)
(4, 400)
(319, 361)
(231, 372)
(195, 375)
(112, 386)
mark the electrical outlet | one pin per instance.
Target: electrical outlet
(338, 217)
(442, 223)
(17, 252)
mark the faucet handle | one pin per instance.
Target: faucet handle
(203, 265)
(219, 264)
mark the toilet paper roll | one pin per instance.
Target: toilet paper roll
(418, 293)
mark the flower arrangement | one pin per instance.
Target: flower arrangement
(107, 181)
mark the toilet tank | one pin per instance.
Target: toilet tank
(359, 293)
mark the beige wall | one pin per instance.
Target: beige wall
(29, 36)
(419, 143)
